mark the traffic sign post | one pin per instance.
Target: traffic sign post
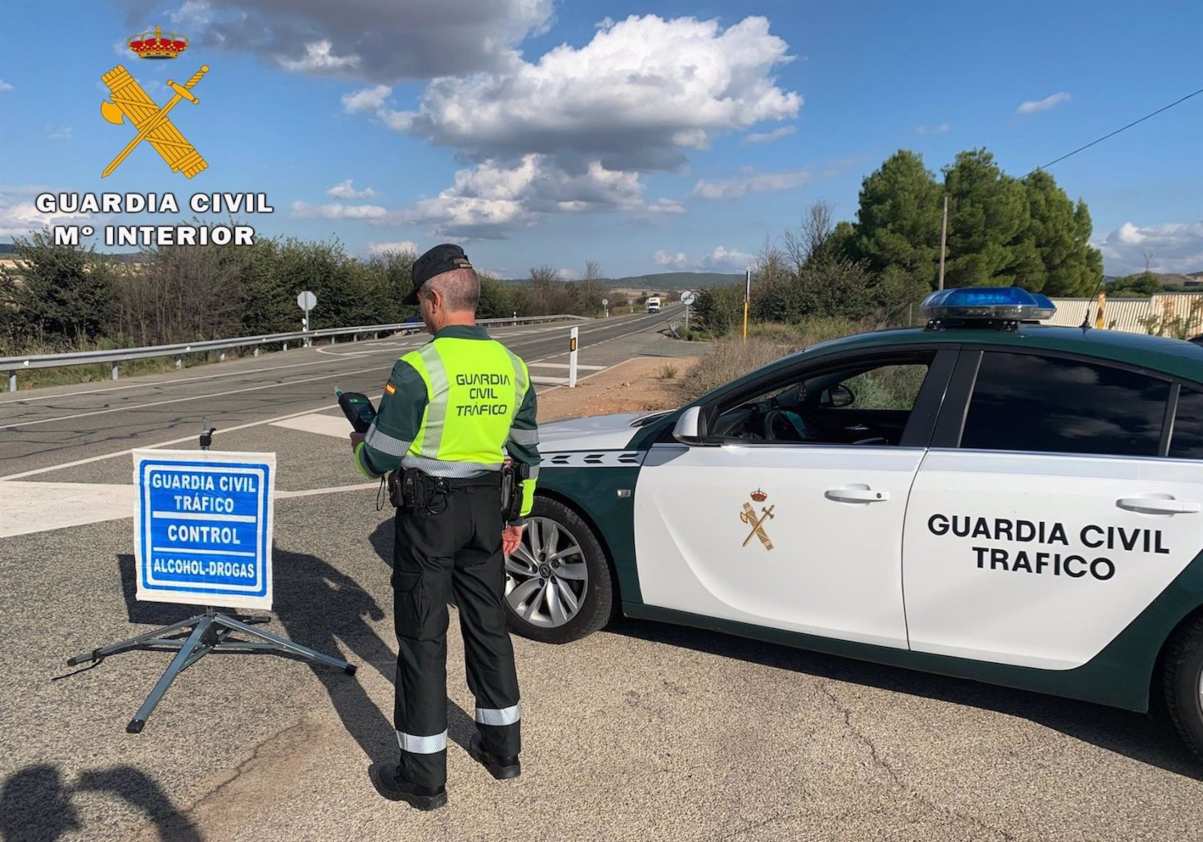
(687, 298)
(203, 536)
(573, 336)
(606, 307)
(306, 301)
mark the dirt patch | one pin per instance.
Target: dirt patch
(641, 384)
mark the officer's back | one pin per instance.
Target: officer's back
(457, 415)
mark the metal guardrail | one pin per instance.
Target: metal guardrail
(117, 356)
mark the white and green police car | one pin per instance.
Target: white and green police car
(987, 497)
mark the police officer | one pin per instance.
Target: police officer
(451, 414)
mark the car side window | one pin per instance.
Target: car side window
(1054, 405)
(1187, 439)
(866, 402)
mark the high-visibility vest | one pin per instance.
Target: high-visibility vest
(474, 388)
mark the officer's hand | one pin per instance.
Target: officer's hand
(356, 438)
(511, 537)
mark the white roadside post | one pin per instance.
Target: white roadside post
(573, 336)
(606, 307)
(306, 301)
(687, 298)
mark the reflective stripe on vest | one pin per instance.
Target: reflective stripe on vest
(474, 389)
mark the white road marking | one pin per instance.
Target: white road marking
(385, 344)
(192, 438)
(323, 425)
(43, 506)
(581, 366)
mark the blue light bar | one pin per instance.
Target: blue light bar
(981, 303)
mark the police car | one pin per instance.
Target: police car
(987, 497)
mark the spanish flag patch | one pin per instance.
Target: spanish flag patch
(390, 388)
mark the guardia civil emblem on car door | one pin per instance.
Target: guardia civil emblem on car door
(757, 521)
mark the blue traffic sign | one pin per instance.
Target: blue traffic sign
(203, 523)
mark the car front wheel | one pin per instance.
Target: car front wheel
(557, 583)
(1182, 684)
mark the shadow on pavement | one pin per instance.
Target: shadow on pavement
(35, 806)
(319, 605)
(1148, 739)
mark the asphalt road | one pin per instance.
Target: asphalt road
(48, 427)
(641, 731)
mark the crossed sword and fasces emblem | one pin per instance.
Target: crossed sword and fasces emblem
(749, 516)
(153, 123)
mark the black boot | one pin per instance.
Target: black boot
(501, 768)
(390, 783)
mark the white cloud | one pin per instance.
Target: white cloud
(641, 91)
(392, 248)
(346, 190)
(725, 258)
(493, 198)
(1033, 106)
(770, 136)
(934, 128)
(721, 259)
(567, 274)
(19, 217)
(5, 87)
(733, 188)
(319, 57)
(337, 210)
(378, 40)
(59, 132)
(193, 14)
(1171, 247)
(366, 99)
(672, 260)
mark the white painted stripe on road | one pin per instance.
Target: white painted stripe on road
(39, 506)
(323, 425)
(581, 366)
(192, 438)
(31, 507)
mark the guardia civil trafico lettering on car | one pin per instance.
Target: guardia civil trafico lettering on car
(986, 497)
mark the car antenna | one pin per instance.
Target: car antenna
(1086, 317)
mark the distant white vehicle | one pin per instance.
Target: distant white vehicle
(653, 304)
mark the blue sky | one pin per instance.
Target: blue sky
(647, 136)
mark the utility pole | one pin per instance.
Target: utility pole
(943, 240)
(747, 299)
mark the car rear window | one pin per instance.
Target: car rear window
(1187, 440)
(1055, 405)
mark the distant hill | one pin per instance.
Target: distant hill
(1166, 279)
(676, 280)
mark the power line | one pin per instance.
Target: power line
(1120, 129)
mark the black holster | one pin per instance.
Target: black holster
(512, 476)
(410, 489)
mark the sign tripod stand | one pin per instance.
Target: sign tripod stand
(199, 635)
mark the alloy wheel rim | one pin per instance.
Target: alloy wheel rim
(545, 577)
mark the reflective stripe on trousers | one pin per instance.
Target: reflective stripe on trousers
(422, 745)
(499, 716)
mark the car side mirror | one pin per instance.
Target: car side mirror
(837, 396)
(690, 428)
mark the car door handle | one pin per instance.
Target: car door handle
(1158, 505)
(856, 494)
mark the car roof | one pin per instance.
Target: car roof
(1174, 357)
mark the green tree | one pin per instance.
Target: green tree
(1058, 233)
(898, 220)
(56, 294)
(988, 214)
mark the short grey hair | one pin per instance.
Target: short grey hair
(460, 288)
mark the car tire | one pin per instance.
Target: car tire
(1182, 683)
(594, 594)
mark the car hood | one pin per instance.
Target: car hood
(601, 432)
